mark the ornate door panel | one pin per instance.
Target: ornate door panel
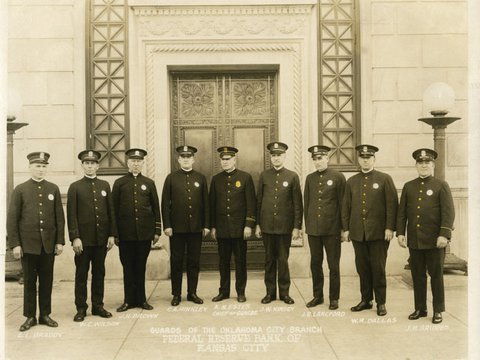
(212, 109)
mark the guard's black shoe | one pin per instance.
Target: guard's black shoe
(381, 310)
(146, 306)
(194, 298)
(220, 297)
(315, 301)
(31, 321)
(47, 320)
(287, 299)
(176, 300)
(80, 315)
(417, 314)
(268, 299)
(333, 305)
(101, 312)
(241, 298)
(437, 318)
(124, 307)
(362, 305)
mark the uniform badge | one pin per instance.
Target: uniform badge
(429, 192)
(285, 183)
(104, 193)
(197, 184)
(143, 187)
(329, 182)
(238, 184)
(51, 197)
(375, 185)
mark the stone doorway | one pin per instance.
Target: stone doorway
(209, 109)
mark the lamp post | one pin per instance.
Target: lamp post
(439, 98)
(13, 268)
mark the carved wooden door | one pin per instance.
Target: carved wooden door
(213, 109)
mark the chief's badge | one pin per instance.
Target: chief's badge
(238, 184)
(285, 183)
(375, 185)
(143, 187)
(51, 197)
(429, 192)
(104, 193)
(197, 184)
(329, 182)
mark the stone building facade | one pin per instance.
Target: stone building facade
(153, 74)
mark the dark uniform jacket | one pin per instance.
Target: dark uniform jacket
(185, 206)
(35, 217)
(369, 206)
(279, 201)
(323, 196)
(426, 205)
(90, 214)
(232, 203)
(137, 209)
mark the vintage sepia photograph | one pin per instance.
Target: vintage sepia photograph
(241, 179)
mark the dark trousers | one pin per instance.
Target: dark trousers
(277, 250)
(40, 266)
(96, 256)
(239, 249)
(333, 249)
(430, 260)
(133, 256)
(370, 261)
(192, 242)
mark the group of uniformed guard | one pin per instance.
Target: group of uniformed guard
(363, 210)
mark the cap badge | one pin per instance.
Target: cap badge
(365, 149)
(42, 155)
(225, 149)
(137, 153)
(315, 149)
(424, 153)
(275, 145)
(185, 148)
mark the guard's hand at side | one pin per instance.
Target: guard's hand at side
(258, 231)
(155, 239)
(295, 234)
(17, 252)
(110, 242)
(388, 234)
(213, 233)
(168, 232)
(58, 249)
(77, 246)
(442, 242)
(402, 241)
(247, 232)
(346, 236)
(205, 232)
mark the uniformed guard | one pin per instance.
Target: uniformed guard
(35, 227)
(92, 228)
(232, 216)
(426, 214)
(369, 213)
(137, 214)
(186, 219)
(323, 195)
(279, 220)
